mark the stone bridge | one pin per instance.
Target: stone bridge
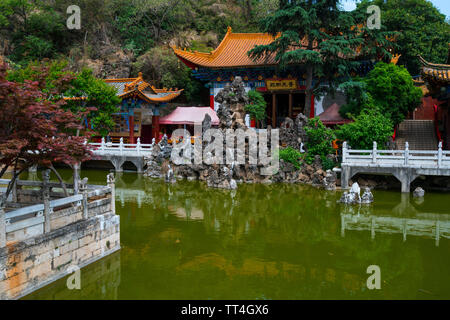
(406, 165)
(119, 153)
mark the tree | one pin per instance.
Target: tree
(36, 131)
(157, 13)
(57, 81)
(356, 96)
(324, 39)
(371, 125)
(422, 29)
(393, 91)
(101, 101)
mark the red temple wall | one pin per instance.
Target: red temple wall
(426, 110)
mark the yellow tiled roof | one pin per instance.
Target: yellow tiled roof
(435, 72)
(231, 52)
(127, 87)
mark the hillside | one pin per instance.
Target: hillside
(119, 38)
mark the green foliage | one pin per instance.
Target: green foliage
(6, 10)
(393, 91)
(99, 95)
(257, 106)
(331, 35)
(291, 155)
(327, 163)
(32, 48)
(388, 87)
(371, 125)
(422, 30)
(320, 140)
(134, 33)
(357, 96)
(101, 99)
(56, 72)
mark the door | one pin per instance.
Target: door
(146, 133)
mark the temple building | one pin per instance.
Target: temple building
(139, 114)
(283, 91)
(437, 80)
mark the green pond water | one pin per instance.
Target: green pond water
(186, 241)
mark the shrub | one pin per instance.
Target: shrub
(320, 140)
(388, 87)
(327, 163)
(291, 155)
(371, 125)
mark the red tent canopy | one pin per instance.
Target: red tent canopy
(331, 116)
(190, 116)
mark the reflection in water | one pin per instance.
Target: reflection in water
(187, 241)
(99, 280)
(404, 219)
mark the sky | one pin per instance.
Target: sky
(442, 5)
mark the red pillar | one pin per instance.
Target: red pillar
(252, 123)
(131, 123)
(155, 128)
(211, 101)
(312, 111)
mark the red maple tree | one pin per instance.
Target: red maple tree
(36, 130)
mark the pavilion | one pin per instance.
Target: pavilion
(140, 109)
(331, 117)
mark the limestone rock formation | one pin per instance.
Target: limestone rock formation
(160, 152)
(170, 176)
(367, 196)
(232, 99)
(108, 62)
(353, 196)
(418, 192)
(300, 123)
(289, 135)
(329, 182)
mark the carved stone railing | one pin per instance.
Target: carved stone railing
(407, 158)
(21, 223)
(135, 149)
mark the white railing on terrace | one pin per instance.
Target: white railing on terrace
(405, 158)
(121, 148)
(35, 219)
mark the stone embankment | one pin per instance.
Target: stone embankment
(46, 244)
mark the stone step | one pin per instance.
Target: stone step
(420, 135)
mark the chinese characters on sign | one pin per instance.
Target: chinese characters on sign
(287, 84)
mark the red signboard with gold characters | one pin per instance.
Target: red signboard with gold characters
(281, 84)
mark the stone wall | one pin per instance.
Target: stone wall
(28, 265)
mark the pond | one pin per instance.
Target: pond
(186, 241)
